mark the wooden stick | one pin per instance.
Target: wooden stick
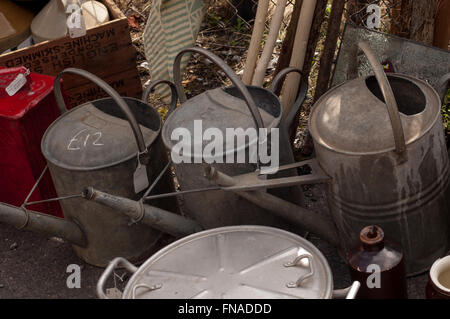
(275, 25)
(313, 40)
(329, 48)
(442, 26)
(255, 42)
(288, 42)
(298, 54)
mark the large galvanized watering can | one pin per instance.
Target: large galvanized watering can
(237, 107)
(112, 144)
(380, 146)
(381, 150)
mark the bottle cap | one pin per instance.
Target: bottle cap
(371, 235)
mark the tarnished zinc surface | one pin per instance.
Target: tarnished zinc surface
(94, 145)
(407, 57)
(407, 195)
(224, 108)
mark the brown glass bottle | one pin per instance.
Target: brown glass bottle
(378, 265)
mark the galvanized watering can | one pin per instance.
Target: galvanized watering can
(113, 144)
(385, 163)
(253, 262)
(380, 147)
(235, 107)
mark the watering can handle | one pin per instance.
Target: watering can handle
(109, 270)
(111, 92)
(150, 88)
(225, 68)
(301, 94)
(391, 103)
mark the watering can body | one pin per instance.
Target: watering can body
(94, 144)
(380, 149)
(222, 109)
(407, 195)
(381, 140)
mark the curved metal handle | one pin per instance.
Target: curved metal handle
(442, 84)
(149, 288)
(298, 283)
(394, 115)
(151, 87)
(301, 94)
(225, 68)
(111, 92)
(111, 267)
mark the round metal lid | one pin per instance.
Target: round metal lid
(234, 262)
(220, 109)
(96, 135)
(353, 118)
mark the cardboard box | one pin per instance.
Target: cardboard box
(105, 51)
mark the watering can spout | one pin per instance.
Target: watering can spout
(318, 224)
(46, 224)
(152, 216)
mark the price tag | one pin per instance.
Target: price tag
(17, 83)
(75, 22)
(140, 178)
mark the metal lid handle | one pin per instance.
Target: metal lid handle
(225, 68)
(109, 270)
(391, 104)
(150, 88)
(111, 92)
(302, 278)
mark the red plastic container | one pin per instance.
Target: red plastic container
(24, 117)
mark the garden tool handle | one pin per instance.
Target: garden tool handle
(151, 87)
(301, 94)
(109, 270)
(347, 293)
(389, 98)
(228, 71)
(111, 92)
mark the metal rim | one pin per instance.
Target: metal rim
(125, 159)
(393, 148)
(127, 293)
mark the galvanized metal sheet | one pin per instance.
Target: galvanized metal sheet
(350, 118)
(233, 262)
(408, 57)
(218, 109)
(89, 138)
